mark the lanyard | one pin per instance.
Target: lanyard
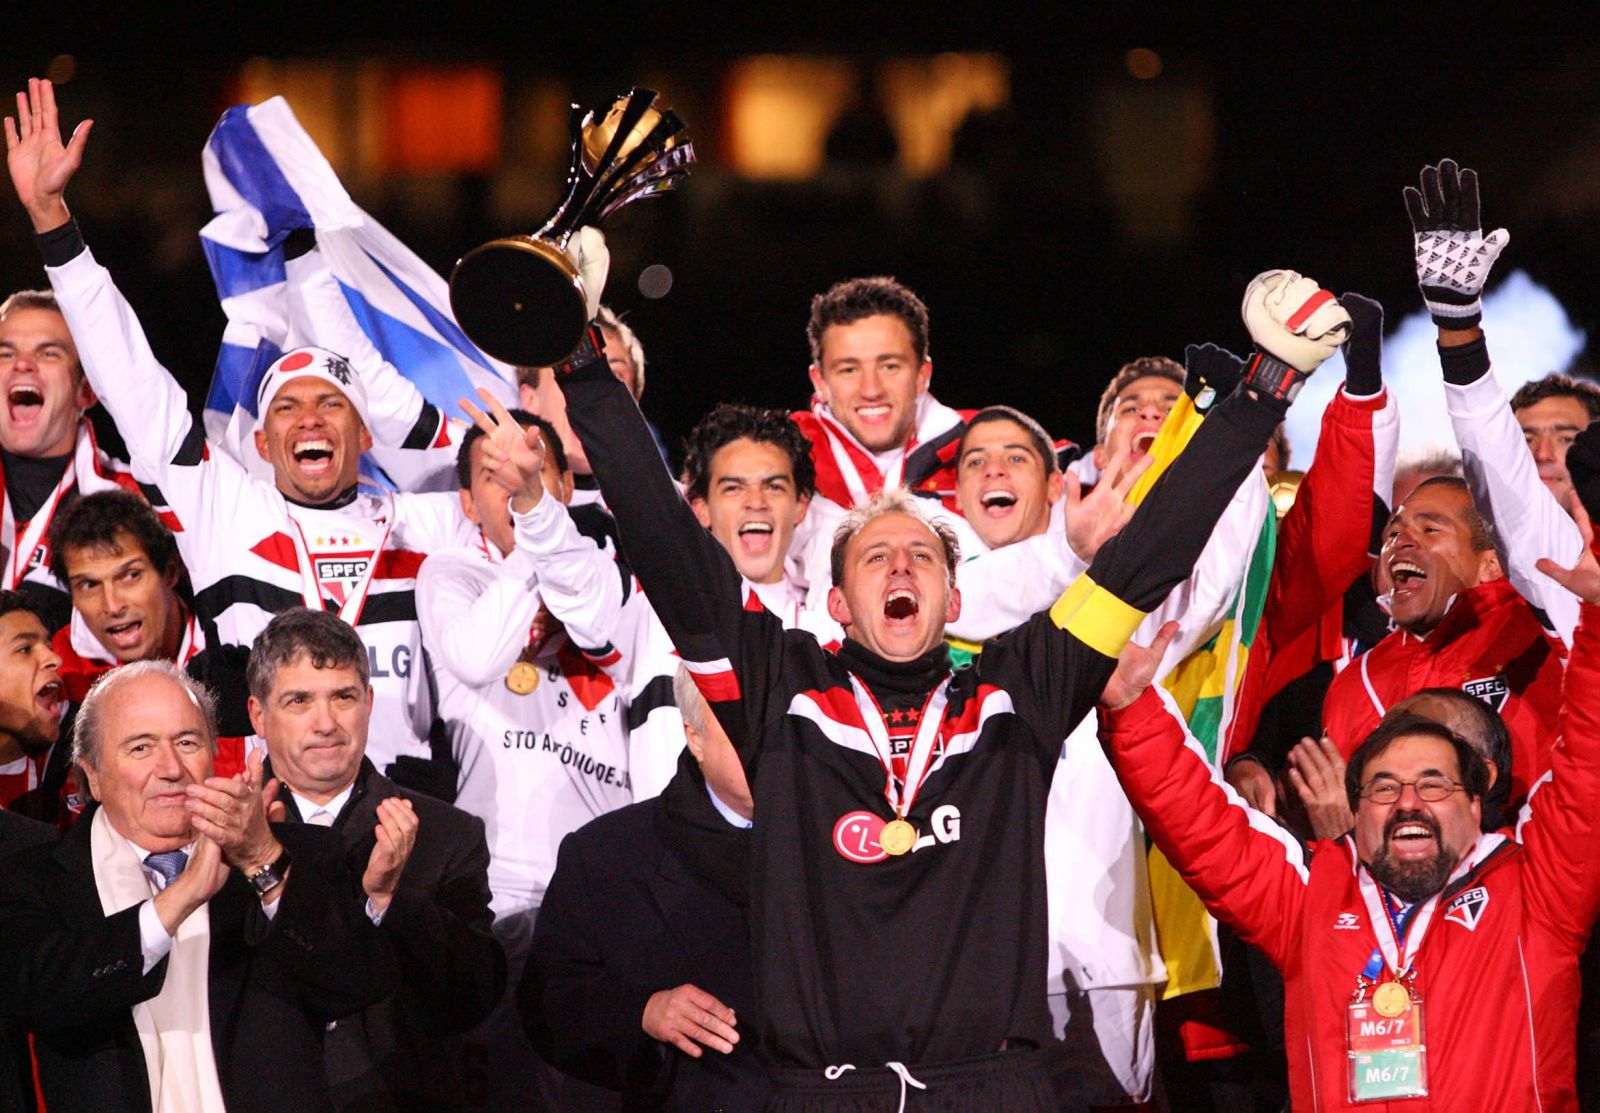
(1398, 943)
(311, 587)
(921, 757)
(22, 552)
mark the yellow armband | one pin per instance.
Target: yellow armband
(1095, 616)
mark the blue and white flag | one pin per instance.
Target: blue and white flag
(266, 178)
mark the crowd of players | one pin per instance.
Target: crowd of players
(823, 776)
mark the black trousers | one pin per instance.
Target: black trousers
(1011, 1081)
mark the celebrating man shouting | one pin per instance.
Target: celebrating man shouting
(253, 548)
(899, 906)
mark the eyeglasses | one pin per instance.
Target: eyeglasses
(1387, 790)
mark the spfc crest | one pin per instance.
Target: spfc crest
(1492, 690)
(1467, 908)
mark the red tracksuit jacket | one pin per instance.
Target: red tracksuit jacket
(1498, 965)
(1490, 645)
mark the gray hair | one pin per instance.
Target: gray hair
(1427, 461)
(328, 640)
(891, 500)
(691, 703)
(86, 728)
(608, 320)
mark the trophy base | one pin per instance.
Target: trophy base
(521, 300)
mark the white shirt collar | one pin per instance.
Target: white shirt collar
(726, 812)
(332, 807)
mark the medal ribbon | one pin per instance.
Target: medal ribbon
(22, 552)
(921, 756)
(1396, 942)
(311, 587)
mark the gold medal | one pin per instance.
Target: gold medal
(523, 678)
(897, 837)
(1391, 999)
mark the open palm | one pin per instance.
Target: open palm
(39, 163)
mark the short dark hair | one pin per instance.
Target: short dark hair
(1145, 367)
(1482, 531)
(552, 445)
(328, 640)
(731, 421)
(855, 298)
(94, 521)
(16, 601)
(1474, 771)
(1041, 440)
(1557, 385)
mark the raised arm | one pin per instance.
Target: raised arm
(149, 407)
(1559, 825)
(1454, 258)
(1250, 872)
(688, 577)
(1059, 661)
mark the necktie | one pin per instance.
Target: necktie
(168, 864)
(320, 818)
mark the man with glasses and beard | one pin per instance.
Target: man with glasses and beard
(1415, 911)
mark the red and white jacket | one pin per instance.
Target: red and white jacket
(1491, 645)
(1498, 964)
(1324, 543)
(84, 660)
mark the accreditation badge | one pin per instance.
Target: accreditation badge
(1383, 1037)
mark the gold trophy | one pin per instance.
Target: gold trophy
(521, 298)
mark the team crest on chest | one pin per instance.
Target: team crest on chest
(340, 573)
(1467, 908)
(1492, 690)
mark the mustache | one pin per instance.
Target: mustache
(1411, 817)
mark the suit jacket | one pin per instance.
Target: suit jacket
(404, 1052)
(17, 834)
(274, 984)
(626, 915)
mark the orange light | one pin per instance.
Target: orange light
(1144, 64)
(443, 120)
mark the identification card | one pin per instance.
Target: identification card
(1388, 1058)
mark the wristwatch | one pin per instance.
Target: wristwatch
(269, 877)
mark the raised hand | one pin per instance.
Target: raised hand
(1208, 367)
(1583, 578)
(687, 1017)
(1316, 770)
(397, 837)
(589, 251)
(1096, 518)
(1363, 352)
(232, 812)
(1250, 779)
(40, 164)
(1136, 669)
(1453, 255)
(1289, 316)
(513, 456)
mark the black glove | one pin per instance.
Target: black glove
(1454, 257)
(1363, 352)
(1206, 365)
(1583, 465)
